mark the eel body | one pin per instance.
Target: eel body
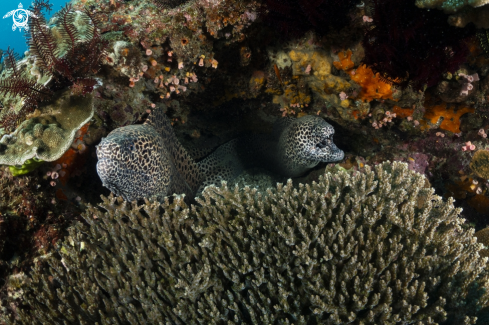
(148, 161)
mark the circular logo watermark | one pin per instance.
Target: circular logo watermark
(20, 17)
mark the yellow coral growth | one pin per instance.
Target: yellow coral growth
(451, 115)
(372, 86)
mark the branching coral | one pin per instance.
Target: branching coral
(411, 44)
(371, 247)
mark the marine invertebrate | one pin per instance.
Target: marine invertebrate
(409, 45)
(450, 6)
(147, 161)
(47, 135)
(71, 59)
(28, 166)
(445, 116)
(168, 4)
(480, 163)
(18, 84)
(76, 56)
(370, 247)
(373, 85)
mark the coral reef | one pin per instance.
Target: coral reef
(49, 132)
(409, 45)
(368, 247)
(397, 82)
(480, 164)
(296, 17)
(450, 6)
(31, 221)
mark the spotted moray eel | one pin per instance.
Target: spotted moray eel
(295, 146)
(148, 161)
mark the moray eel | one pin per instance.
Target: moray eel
(295, 146)
(147, 161)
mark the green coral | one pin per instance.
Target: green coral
(369, 247)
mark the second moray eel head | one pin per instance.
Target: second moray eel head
(308, 141)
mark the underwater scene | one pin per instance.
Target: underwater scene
(306, 162)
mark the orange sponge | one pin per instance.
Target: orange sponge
(402, 112)
(451, 115)
(372, 86)
(345, 62)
